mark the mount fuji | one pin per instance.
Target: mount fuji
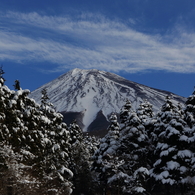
(90, 96)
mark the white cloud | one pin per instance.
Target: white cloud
(92, 41)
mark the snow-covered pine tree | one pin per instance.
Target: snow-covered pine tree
(124, 113)
(163, 118)
(133, 149)
(52, 159)
(189, 113)
(44, 97)
(4, 101)
(2, 73)
(190, 110)
(145, 111)
(37, 138)
(76, 134)
(106, 163)
(171, 167)
(91, 143)
(148, 120)
(80, 160)
(147, 116)
(15, 118)
(46, 106)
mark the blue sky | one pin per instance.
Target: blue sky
(151, 42)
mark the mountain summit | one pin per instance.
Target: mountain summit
(93, 94)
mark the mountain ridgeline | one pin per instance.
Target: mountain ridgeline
(90, 96)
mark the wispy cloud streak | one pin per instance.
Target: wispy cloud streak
(91, 41)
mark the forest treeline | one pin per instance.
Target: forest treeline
(142, 153)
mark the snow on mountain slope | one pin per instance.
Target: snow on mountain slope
(92, 91)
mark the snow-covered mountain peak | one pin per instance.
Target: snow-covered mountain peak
(75, 71)
(82, 71)
(92, 91)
